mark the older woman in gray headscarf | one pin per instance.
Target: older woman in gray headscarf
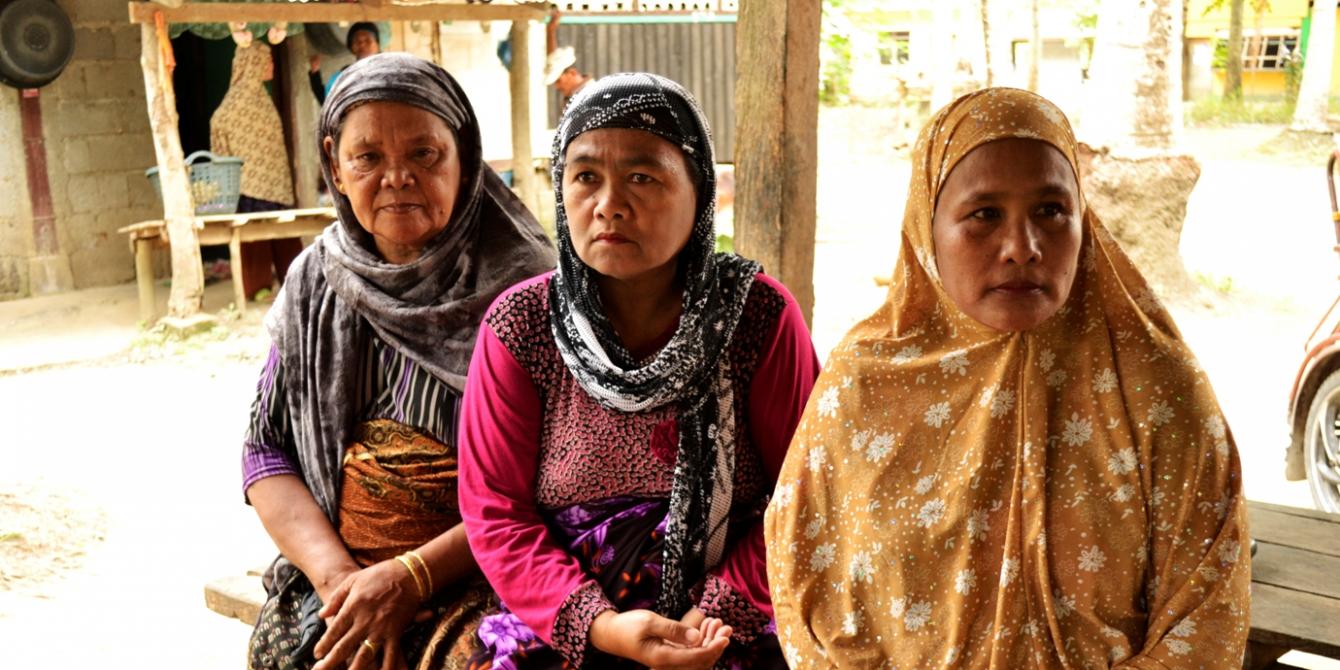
(350, 458)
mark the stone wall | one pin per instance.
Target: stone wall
(98, 145)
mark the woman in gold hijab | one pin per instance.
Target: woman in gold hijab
(1015, 462)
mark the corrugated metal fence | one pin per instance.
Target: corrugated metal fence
(700, 56)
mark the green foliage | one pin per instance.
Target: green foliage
(1293, 79)
(1257, 6)
(835, 80)
(726, 244)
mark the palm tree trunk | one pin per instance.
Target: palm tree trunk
(1314, 94)
(1136, 77)
(1036, 50)
(1233, 69)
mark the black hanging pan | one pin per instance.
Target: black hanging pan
(36, 42)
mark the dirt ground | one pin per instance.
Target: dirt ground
(119, 493)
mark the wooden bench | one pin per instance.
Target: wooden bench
(220, 229)
(237, 596)
(1295, 584)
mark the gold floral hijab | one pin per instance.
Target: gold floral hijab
(957, 496)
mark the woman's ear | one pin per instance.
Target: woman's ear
(328, 146)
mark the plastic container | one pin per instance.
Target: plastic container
(215, 185)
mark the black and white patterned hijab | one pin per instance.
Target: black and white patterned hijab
(691, 371)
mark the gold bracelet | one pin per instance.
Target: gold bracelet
(427, 574)
(418, 581)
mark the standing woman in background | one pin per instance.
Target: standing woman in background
(246, 125)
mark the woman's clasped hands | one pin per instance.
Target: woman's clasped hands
(365, 615)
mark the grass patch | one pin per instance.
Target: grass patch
(11, 536)
(1212, 112)
(1222, 285)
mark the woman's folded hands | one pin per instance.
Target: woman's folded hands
(365, 616)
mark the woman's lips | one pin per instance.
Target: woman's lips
(400, 208)
(611, 238)
(1018, 287)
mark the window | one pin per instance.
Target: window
(893, 47)
(1264, 52)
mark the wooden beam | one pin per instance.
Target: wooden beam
(523, 171)
(314, 12)
(776, 140)
(188, 281)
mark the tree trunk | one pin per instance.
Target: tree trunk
(1036, 49)
(989, 77)
(1135, 182)
(1233, 68)
(1314, 94)
(944, 60)
(1135, 105)
(188, 281)
(1186, 55)
(776, 160)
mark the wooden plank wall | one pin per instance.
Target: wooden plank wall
(701, 56)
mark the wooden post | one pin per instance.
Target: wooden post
(776, 145)
(306, 151)
(523, 172)
(144, 279)
(235, 261)
(188, 281)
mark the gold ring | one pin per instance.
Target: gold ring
(372, 646)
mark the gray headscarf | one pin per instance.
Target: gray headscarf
(340, 290)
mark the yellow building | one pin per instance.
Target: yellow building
(1271, 38)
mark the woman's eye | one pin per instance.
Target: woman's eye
(1054, 213)
(639, 178)
(365, 158)
(425, 153)
(985, 214)
(584, 177)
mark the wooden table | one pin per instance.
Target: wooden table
(1295, 583)
(220, 229)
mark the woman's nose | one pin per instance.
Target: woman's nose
(1021, 244)
(397, 175)
(611, 202)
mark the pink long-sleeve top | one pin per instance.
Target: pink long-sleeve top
(532, 440)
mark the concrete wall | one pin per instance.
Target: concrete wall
(98, 145)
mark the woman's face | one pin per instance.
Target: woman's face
(1007, 233)
(399, 166)
(630, 199)
(364, 44)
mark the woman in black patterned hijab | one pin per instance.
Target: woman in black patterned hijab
(625, 417)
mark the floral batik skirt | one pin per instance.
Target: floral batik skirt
(619, 543)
